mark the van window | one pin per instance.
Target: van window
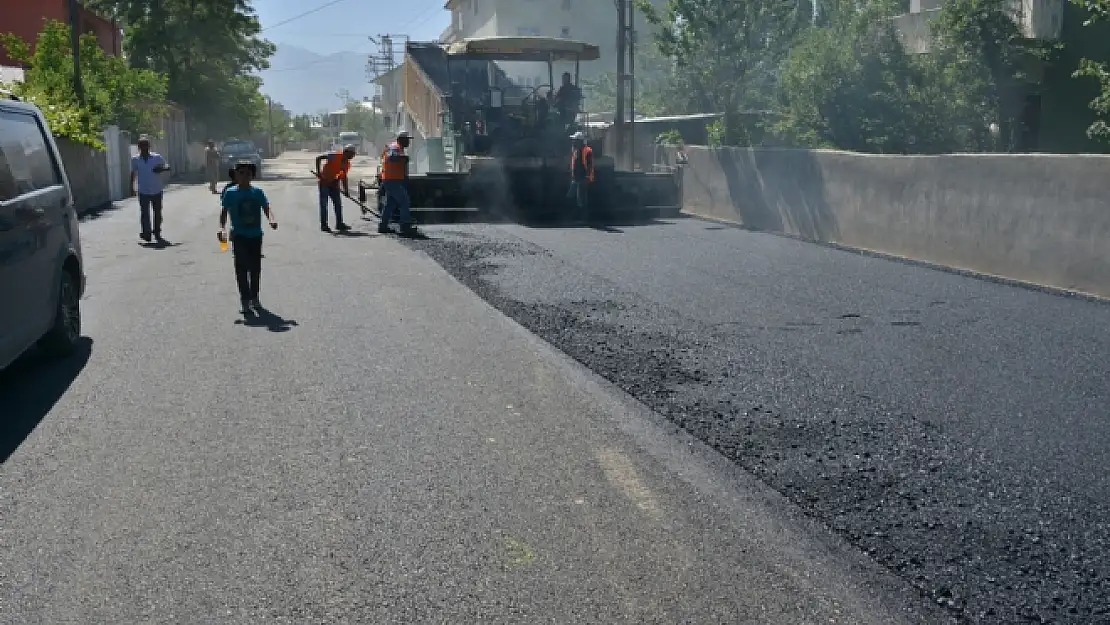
(26, 164)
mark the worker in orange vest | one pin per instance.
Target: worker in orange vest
(393, 179)
(582, 173)
(332, 170)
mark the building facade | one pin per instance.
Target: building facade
(591, 21)
(26, 19)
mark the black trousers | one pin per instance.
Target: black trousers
(148, 203)
(248, 264)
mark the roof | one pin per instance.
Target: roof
(525, 49)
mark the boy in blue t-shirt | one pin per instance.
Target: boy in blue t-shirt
(245, 205)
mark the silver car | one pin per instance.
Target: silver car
(42, 275)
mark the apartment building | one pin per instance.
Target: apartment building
(25, 20)
(1038, 19)
(592, 21)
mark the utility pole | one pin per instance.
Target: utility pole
(75, 43)
(386, 58)
(631, 85)
(270, 121)
(618, 115)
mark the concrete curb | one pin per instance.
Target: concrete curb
(960, 271)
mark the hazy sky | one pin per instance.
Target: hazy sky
(345, 25)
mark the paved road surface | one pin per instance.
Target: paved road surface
(953, 428)
(381, 447)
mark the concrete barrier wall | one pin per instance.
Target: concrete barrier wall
(87, 170)
(1043, 219)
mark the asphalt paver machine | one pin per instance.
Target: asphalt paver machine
(513, 142)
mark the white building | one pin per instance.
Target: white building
(592, 21)
(1038, 19)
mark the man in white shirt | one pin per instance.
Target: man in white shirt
(146, 175)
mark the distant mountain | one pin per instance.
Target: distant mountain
(307, 82)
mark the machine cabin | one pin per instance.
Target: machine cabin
(505, 120)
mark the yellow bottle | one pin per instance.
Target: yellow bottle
(223, 242)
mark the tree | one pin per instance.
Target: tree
(361, 119)
(981, 42)
(207, 49)
(114, 94)
(654, 92)
(1100, 12)
(849, 84)
(726, 53)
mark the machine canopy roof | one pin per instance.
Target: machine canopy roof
(541, 49)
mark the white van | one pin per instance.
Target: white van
(355, 139)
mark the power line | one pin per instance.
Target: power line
(305, 14)
(424, 17)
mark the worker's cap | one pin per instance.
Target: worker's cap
(404, 135)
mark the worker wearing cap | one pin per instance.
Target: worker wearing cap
(332, 170)
(582, 173)
(394, 176)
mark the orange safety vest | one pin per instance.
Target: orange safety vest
(393, 170)
(334, 169)
(586, 165)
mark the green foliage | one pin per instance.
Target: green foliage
(113, 92)
(669, 137)
(654, 85)
(981, 42)
(207, 49)
(362, 120)
(716, 133)
(1099, 12)
(851, 85)
(726, 54)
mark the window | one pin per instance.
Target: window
(26, 164)
(565, 33)
(528, 31)
(475, 3)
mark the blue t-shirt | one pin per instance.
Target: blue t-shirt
(244, 207)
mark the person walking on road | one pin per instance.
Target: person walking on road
(212, 165)
(245, 204)
(393, 179)
(146, 182)
(332, 170)
(582, 173)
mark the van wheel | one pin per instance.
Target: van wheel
(62, 338)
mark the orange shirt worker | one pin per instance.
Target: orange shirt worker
(332, 171)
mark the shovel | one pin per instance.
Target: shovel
(365, 209)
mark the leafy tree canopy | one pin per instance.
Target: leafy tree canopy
(1099, 12)
(113, 92)
(726, 53)
(207, 49)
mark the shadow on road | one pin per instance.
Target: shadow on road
(98, 212)
(159, 245)
(30, 387)
(264, 318)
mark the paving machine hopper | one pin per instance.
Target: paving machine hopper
(512, 142)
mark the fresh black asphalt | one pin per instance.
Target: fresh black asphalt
(953, 428)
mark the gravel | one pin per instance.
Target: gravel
(975, 532)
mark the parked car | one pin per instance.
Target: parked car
(237, 150)
(42, 276)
